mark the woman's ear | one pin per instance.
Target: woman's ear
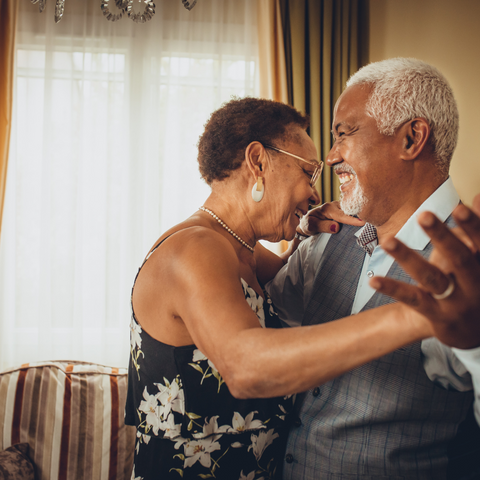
(256, 158)
(415, 134)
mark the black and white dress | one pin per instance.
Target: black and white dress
(188, 424)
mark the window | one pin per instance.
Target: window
(103, 159)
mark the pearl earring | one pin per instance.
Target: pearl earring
(258, 190)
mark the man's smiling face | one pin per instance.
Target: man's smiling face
(363, 158)
(353, 203)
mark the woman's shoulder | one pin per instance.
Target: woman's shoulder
(193, 244)
(192, 235)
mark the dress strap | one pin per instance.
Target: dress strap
(157, 245)
(149, 254)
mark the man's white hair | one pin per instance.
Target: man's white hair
(405, 88)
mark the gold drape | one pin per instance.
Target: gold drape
(325, 42)
(8, 13)
(271, 52)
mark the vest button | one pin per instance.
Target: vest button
(370, 274)
(316, 392)
(289, 458)
(297, 422)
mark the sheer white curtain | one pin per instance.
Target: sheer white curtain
(103, 159)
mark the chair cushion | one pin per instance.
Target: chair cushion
(15, 464)
(71, 414)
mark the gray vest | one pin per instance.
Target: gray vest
(382, 420)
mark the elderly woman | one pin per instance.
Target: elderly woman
(211, 377)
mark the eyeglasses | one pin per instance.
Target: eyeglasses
(318, 166)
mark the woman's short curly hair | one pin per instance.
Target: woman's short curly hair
(235, 125)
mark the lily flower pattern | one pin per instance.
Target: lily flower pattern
(183, 411)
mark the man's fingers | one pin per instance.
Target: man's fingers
(476, 204)
(443, 262)
(447, 243)
(463, 237)
(469, 221)
(403, 292)
(427, 275)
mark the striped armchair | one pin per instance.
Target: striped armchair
(71, 416)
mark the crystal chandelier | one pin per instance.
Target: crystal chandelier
(122, 7)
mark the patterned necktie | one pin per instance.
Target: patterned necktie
(368, 239)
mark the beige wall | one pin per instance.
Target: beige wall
(445, 33)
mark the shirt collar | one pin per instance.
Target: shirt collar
(441, 203)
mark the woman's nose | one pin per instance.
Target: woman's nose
(315, 197)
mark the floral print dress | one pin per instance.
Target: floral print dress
(188, 424)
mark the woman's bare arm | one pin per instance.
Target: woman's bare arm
(204, 290)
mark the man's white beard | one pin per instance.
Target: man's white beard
(354, 203)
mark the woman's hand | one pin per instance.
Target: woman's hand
(323, 219)
(326, 219)
(456, 318)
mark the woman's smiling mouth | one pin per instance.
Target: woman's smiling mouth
(299, 213)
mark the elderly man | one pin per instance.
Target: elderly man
(409, 414)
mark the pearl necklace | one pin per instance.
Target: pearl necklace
(227, 228)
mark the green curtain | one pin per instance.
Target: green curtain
(325, 41)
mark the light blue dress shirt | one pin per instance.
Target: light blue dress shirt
(291, 290)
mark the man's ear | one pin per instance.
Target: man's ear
(415, 134)
(256, 158)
